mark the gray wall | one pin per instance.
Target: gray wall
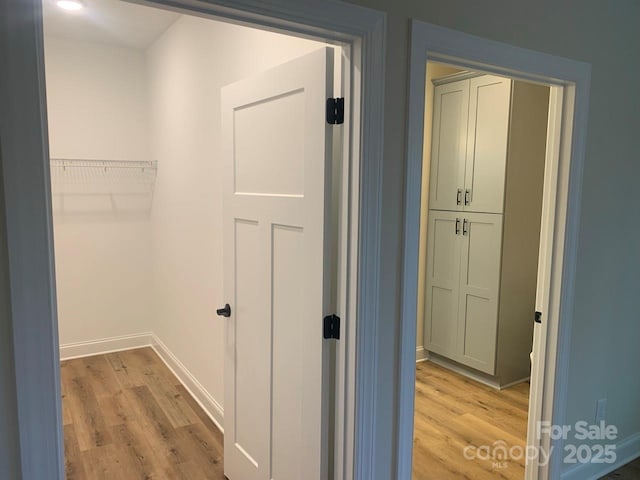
(604, 356)
(9, 448)
(9, 441)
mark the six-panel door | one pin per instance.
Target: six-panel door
(277, 147)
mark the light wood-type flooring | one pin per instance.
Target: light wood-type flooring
(127, 417)
(453, 412)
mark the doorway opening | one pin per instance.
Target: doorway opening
(25, 161)
(485, 139)
(198, 197)
(470, 349)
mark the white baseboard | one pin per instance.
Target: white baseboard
(209, 404)
(421, 354)
(626, 451)
(105, 345)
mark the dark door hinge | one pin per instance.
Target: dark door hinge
(331, 327)
(538, 317)
(335, 111)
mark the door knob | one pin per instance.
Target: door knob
(224, 312)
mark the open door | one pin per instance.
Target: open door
(277, 147)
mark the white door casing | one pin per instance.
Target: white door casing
(277, 147)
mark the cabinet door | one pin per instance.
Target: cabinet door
(448, 145)
(442, 282)
(479, 286)
(489, 105)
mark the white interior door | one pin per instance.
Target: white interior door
(277, 147)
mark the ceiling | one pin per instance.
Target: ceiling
(113, 22)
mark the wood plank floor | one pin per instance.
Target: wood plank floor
(452, 412)
(127, 417)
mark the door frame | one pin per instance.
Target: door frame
(24, 162)
(566, 140)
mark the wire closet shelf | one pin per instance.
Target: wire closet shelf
(117, 170)
(102, 176)
(101, 186)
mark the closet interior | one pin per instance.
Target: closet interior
(134, 112)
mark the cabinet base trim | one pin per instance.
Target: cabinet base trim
(480, 377)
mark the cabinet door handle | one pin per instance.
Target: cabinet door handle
(459, 197)
(467, 196)
(457, 226)
(465, 226)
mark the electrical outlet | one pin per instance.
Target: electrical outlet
(601, 410)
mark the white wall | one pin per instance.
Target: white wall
(96, 100)
(187, 67)
(97, 108)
